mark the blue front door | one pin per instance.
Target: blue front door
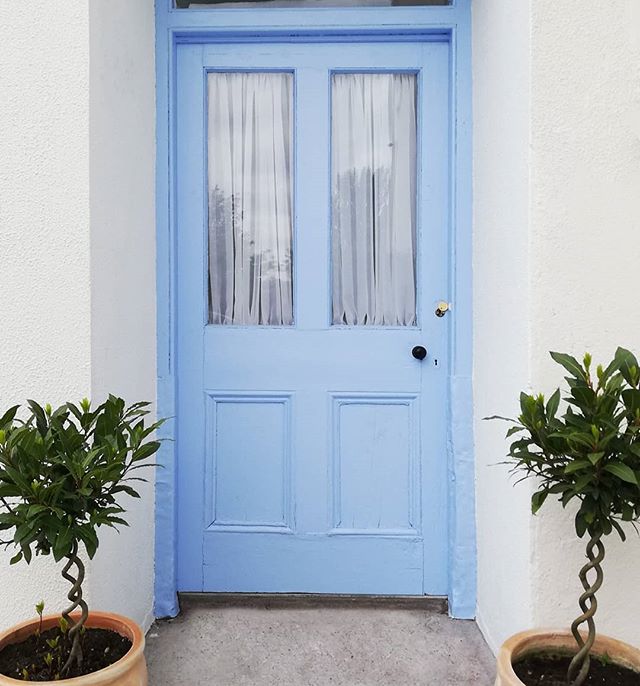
(312, 225)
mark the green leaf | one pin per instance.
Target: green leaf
(23, 531)
(123, 488)
(146, 450)
(570, 364)
(612, 367)
(581, 525)
(619, 529)
(622, 472)
(62, 544)
(15, 559)
(631, 398)
(594, 458)
(90, 540)
(552, 404)
(537, 500)
(627, 362)
(35, 510)
(527, 404)
(9, 490)
(8, 416)
(582, 482)
(26, 552)
(576, 465)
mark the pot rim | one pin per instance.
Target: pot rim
(534, 639)
(114, 622)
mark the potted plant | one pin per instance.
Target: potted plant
(589, 454)
(62, 474)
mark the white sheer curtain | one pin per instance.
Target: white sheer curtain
(374, 199)
(250, 198)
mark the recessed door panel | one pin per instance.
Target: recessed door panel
(248, 459)
(375, 475)
(312, 226)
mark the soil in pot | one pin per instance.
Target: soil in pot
(545, 669)
(100, 648)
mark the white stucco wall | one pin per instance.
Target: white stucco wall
(77, 248)
(45, 344)
(556, 220)
(557, 217)
(502, 307)
(123, 261)
(585, 252)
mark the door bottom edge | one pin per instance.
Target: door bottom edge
(436, 604)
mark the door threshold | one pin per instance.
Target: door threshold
(436, 604)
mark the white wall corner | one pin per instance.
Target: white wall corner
(123, 257)
(502, 305)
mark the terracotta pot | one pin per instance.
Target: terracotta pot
(560, 641)
(131, 670)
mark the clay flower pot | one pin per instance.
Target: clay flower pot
(131, 670)
(560, 641)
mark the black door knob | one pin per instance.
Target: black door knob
(419, 352)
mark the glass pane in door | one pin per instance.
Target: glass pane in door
(250, 149)
(373, 151)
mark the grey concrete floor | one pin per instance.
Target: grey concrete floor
(304, 644)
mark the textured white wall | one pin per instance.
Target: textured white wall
(556, 211)
(45, 347)
(557, 219)
(77, 247)
(501, 59)
(585, 252)
(123, 261)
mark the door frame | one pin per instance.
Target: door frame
(450, 24)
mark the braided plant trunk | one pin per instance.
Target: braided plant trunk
(579, 668)
(75, 596)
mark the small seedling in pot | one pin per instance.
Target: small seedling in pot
(40, 611)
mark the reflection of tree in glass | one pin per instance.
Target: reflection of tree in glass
(250, 260)
(370, 246)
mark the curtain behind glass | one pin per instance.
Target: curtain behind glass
(250, 198)
(373, 195)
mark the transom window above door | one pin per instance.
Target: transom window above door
(239, 4)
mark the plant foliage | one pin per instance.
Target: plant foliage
(590, 452)
(62, 472)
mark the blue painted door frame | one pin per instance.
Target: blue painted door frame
(411, 24)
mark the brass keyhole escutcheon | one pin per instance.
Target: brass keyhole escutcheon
(442, 309)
